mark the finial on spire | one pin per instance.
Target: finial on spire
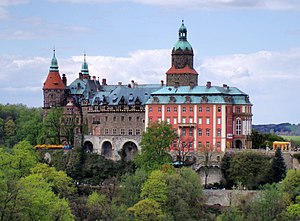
(182, 21)
(84, 57)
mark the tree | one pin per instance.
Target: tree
(155, 187)
(278, 168)
(52, 126)
(291, 183)
(98, 207)
(249, 168)
(231, 214)
(147, 210)
(155, 143)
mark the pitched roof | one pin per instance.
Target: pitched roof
(53, 81)
(185, 70)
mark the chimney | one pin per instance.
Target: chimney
(161, 83)
(192, 85)
(119, 83)
(208, 84)
(104, 81)
(94, 78)
(132, 83)
(80, 76)
(176, 84)
(64, 79)
(224, 86)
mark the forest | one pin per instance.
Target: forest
(75, 185)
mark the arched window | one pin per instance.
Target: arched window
(238, 126)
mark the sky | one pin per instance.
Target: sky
(250, 44)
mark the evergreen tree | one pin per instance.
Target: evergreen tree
(278, 168)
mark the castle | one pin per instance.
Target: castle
(110, 119)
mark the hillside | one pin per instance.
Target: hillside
(279, 129)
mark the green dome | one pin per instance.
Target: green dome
(54, 63)
(182, 43)
(84, 66)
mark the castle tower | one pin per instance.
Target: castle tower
(54, 87)
(182, 72)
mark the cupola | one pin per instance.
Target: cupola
(54, 63)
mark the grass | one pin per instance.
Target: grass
(296, 139)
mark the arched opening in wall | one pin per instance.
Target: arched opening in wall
(88, 147)
(106, 150)
(238, 144)
(129, 149)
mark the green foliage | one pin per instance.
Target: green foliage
(98, 207)
(261, 140)
(231, 214)
(185, 198)
(249, 168)
(291, 183)
(147, 210)
(155, 142)
(278, 168)
(155, 187)
(131, 187)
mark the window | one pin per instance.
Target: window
(174, 144)
(106, 131)
(218, 144)
(219, 109)
(183, 132)
(191, 132)
(190, 144)
(183, 144)
(106, 118)
(184, 109)
(114, 131)
(114, 118)
(219, 120)
(122, 118)
(168, 120)
(200, 120)
(159, 119)
(219, 133)
(207, 109)
(159, 109)
(175, 109)
(183, 120)
(150, 120)
(238, 110)
(200, 109)
(191, 109)
(137, 118)
(207, 132)
(174, 120)
(199, 144)
(199, 132)
(207, 120)
(150, 109)
(137, 132)
(238, 126)
(122, 131)
(190, 120)
(168, 109)
(129, 118)
(130, 132)
(207, 144)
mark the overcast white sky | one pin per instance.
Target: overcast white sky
(250, 44)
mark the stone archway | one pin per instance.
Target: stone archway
(238, 144)
(106, 149)
(88, 146)
(129, 149)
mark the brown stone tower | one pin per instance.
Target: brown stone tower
(182, 72)
(54, 87)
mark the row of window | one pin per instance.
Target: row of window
(185, 120)
(200, 132)
(115, 118)
(190, 144)
(122, 131)
(184, 109)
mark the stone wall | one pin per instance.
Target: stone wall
(230, 197)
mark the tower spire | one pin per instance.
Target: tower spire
(84, 66)
(54, 63)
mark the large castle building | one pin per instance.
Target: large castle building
(110, 119)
